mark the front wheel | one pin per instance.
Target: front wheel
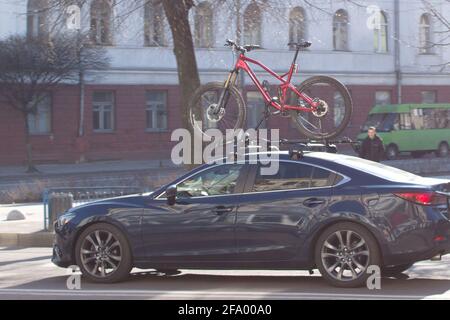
(103, 254)
(205, 112)
(333, 114)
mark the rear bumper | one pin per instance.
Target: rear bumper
(435, 247)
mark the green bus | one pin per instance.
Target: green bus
(414, 128)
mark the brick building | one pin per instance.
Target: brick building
(132, 108)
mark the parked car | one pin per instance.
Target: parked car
(414, 128)
(337, 213)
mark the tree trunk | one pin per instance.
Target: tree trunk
(177, 13)
(29, 148)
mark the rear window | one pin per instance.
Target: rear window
(379, 170)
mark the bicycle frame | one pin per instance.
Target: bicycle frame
(285, 79)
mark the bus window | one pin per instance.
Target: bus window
(390, 122)
(442, 121)
(374, 120)
(405, 121)
(417, 119)
(429, 120)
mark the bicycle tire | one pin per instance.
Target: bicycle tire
(347, 102)
(242, 115)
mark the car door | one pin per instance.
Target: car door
(200, 226)
(273, 222)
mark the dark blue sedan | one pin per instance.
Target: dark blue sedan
(333, 212)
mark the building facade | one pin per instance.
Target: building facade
(132, 108)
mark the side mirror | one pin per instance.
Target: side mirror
(171, 195)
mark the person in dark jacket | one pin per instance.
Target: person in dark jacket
(372, 147)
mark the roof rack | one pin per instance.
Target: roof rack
(299, 147)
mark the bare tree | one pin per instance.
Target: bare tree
(30, 68)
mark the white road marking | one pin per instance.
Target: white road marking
(216, 295)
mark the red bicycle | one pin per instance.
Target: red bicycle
(320, 107)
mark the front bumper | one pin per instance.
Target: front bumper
(63, 248)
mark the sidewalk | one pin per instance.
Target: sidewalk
(88, 167)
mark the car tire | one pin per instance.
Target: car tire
(443, 150)
(101, 247)
(353, 255)
(392, 152)
(392, 271)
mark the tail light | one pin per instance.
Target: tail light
(424, 198)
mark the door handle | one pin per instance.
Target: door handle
(313, 202)
(221, 210)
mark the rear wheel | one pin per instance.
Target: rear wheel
(205, 114)
(392, 152)
(343, 253)
(333, 114)
(103, 254)
(443, 150)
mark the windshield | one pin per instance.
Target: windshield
(383, 122)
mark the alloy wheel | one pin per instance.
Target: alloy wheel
(345, 255)
(101, 253)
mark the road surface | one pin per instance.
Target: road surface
(29, 274)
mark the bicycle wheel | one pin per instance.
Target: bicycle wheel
(334, 113)
(204, 114)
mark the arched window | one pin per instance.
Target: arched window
(154, 24)
(204, 25)
(252, 24)
(340, 30)
(297, 25)
(101, 22)
(37, 14)
(425, 36)
(381, 34)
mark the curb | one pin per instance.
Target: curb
(27, 240)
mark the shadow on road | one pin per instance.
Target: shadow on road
(266, 285)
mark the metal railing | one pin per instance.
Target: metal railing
(85, 195)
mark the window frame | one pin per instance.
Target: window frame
(252, 19)
(204, 25)
(50, 120)
(152, 22)
(341, 23)
(102, 105)
(98, 16)
(297, 26)
(384, 26)
(153, 109)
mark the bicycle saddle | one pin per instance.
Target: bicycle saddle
(301, 44)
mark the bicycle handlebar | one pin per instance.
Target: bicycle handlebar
(242, 49)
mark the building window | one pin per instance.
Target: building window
(156, 110)
(204, 25)
(297, 26)
(103, 111)
(383, 98)
(381, 35)
(252, 24)
(37, 14)
(101, 22)
(39, 122)
(425, 36)
(340, 30)
(154, 24)
(429, 96)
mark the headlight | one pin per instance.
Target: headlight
(65, 219)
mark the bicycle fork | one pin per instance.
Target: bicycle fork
(225, 95)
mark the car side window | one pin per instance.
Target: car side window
(219, 180)
(295, 176)
(322, 178)
(289, 176)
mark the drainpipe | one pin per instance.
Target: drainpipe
(398, 68)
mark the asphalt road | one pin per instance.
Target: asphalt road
(29, 274)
